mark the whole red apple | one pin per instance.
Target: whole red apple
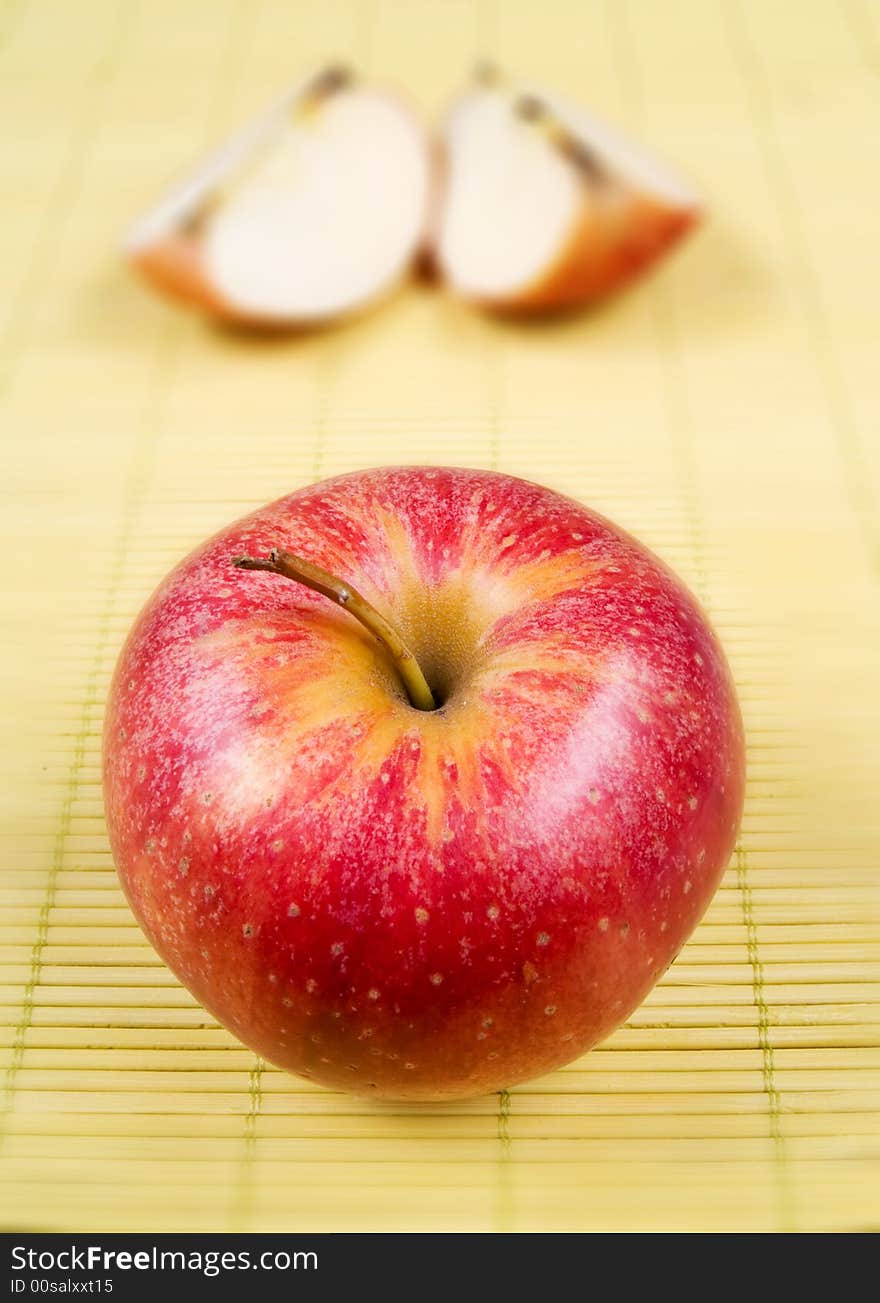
(416, 903)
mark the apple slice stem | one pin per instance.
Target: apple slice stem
(321, 581)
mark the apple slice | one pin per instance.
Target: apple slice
(310, 212)
(546, 207)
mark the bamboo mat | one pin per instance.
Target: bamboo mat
(726, 411)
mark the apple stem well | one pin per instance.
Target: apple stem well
(321, 581)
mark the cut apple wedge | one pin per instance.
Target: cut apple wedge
(545, 206)
(309, 213)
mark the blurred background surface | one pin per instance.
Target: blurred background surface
(726, 410)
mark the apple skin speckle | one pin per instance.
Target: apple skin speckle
(340, 843)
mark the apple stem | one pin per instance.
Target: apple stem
(321, 581)
(335, 77)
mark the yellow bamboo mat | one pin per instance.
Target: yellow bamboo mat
(727, 412)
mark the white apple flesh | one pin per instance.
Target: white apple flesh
(545, 206)
(311, 212)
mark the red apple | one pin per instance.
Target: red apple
(422, 904)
